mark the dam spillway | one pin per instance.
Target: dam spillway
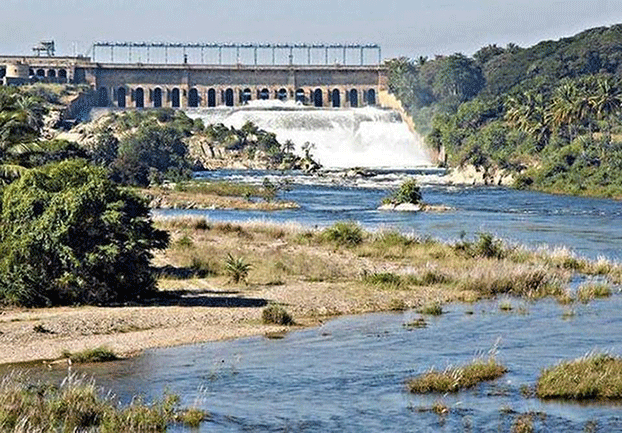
(342, 137)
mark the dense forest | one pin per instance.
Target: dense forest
(548, 114)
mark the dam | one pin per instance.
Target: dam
(335, 96)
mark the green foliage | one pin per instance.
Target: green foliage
(408, 192)
(433, 309)
(344, 233)
(237, 268)
(383, 279)
(275, 314)
(69, 235)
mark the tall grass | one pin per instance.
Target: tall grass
(454, 379)
(77, 405)
(594, 376)
(344, 234)
(98, 354)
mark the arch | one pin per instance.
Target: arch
(245, 96)
(102, 97)
(175, 98)
(336, 98)
(121, 97)
(318, 98)
(40, 73)
(31, 72)
(139, 98)
(211, 98)
(193, 98)
(157, 97)
(264, 94)
(354, 98)
(282, 95)
(371, 97)
(52, 73)
(229, 97)
(300, 96)
(62, 73)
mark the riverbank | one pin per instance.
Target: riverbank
(314, 275)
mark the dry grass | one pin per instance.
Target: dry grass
(594, 376)
(454, 379)
(590, 291)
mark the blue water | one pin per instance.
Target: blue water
(349, 375)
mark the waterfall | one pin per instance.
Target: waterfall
(343, 137)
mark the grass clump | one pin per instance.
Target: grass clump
(397, 304)
(347, 234)
(77, 405)
(527, 282)
(486, 246)
(454, 379)
(277, 315)
(387, 280)
(594, 376)
(590, 291)
(192, 417)
(98, 354)
(237, 268)
(433, 309)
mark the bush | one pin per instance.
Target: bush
(344, 233)
(408, 192)
(237, 268)
(69, 235)
(99, 354)
(275, 314)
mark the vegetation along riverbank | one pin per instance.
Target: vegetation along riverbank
(545, 117)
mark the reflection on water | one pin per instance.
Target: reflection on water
(348, 375)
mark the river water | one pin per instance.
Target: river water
(349, 374)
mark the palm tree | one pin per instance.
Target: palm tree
(562, 110)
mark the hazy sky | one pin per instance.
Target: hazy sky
(402, 27)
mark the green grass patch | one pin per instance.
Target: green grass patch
(98, 354)
(433, 309)
(383, 279)
(454, 379)
(595, 376)
(590, 291)
(347, 234)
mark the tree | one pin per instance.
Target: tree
(459, 77)
(69, 235)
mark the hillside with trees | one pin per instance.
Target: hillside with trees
(548, 115)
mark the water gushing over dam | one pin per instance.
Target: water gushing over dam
(342, 137)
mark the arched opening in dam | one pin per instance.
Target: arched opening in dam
(211, 98)
(371, 97)
(354, 98)
(102, 97)
(62, 73)
(52, 73)
(300, 96)
(121, 97)
(193, 98)
(318, 98)
(264, 94)
(229, 98)
(336, 98)
(40, 72)
(139, 97)
(282, 95)
(175, 99)
(157, 97)
(246, 96)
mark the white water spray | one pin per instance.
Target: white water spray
(343, 137)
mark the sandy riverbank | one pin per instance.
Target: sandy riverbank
(309, 273)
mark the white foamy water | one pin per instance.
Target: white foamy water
(343, 137)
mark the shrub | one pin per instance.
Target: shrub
(434, 309)
(383, 279)
(590, 377)
(69, 235)
(408, 192)
(344, 233)
(237, 268)
(454, 379)
(275, 314)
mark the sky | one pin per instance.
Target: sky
(410, 28)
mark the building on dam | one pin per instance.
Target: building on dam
(183, 76)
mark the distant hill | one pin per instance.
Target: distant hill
(547, 115)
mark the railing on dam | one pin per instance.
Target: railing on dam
(235, 53)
